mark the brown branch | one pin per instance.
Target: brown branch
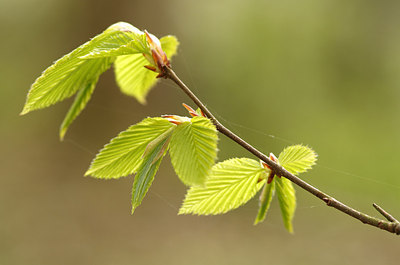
(392, 225)
(384, 213)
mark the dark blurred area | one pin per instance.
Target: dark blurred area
(321, 73)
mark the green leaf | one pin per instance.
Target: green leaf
(153, 144)
(199, 112)
(231, 184)
(193, 150)
(71, 73)
(132, 78)
(169, 44)
(123, 155)
(287, 201)
(297, 158)
(146, 172)
(266, 197)
(81, 99)
(122, 44)
(131, 75)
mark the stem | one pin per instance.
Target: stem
(392, 225)
(384, 213)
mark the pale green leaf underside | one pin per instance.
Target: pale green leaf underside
(131, 75)
(81, 99)
(231, 184)
(169, 44)
(123, 155)
(71, 73)
(266, 197)
(297, 158)
(287, 201)
(146, 172)
(193, 150)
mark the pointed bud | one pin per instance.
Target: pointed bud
(158, 59)
(191, 111)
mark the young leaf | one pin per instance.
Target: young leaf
(193, 150)
(71, 73)
(169, 45)
(153, 144)
(122, 44)
(297, 158)
(231, 184)
(147, 171)
(81, 99)
(266, 197)
(287, 201)
(123, 155)
(131, 75)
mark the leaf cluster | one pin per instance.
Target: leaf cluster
(77, 73)
(192, 146)
(234, 182)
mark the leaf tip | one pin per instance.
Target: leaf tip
(134, 206)
(62, 133)
(259, 219)
(183, 211)
(24, 111)
(290, 230)
(88, 172)
(142, 100)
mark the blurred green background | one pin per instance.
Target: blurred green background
(322, 73)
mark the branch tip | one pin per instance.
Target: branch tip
(388, 216)
(397, 229)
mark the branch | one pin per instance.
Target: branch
(392, 225)
(385, 214)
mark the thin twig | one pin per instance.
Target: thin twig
(384, 213)
(390, 226)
